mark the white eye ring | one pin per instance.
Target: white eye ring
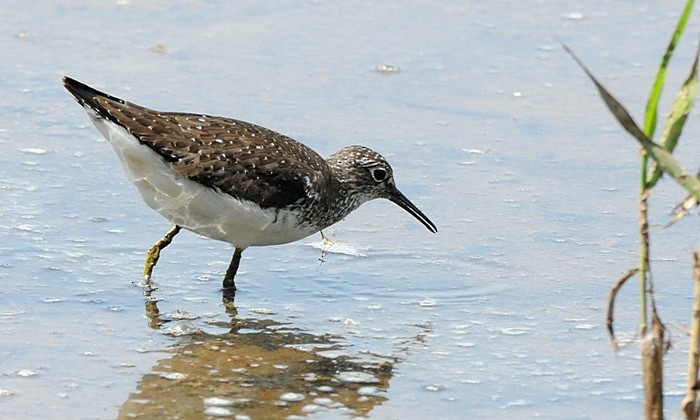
(378, 174)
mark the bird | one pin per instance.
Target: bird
(234, 181)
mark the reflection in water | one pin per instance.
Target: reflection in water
(260, 369)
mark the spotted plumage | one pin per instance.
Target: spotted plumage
(235, 181)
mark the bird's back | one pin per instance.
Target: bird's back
(244, 160)
(258, 183)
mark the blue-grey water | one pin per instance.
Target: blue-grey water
(492, 131)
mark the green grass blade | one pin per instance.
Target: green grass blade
(663, 158)
(620, 113)
(669, 165)
(653, 102)
(676, 118)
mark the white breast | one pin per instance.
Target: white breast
(193, 206)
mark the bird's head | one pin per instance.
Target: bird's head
(367, 175)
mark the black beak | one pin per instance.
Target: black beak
(406, 204)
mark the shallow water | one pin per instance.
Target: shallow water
(492, 131)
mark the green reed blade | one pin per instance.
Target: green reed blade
(685, 98)
(663, 158)
(653, 102)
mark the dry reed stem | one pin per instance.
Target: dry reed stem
(653, 347)
(612, 294)
(689, 404)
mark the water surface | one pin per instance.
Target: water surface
(492, 131)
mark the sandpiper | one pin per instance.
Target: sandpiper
(235, 181)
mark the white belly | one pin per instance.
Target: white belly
(195, 207)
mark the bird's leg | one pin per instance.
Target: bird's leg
(154, 253)
(324, 241)
(229, 283)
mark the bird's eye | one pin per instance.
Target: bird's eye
(378, 174)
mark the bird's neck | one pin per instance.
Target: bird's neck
(340, 201)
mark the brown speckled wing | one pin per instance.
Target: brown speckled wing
(241, 159)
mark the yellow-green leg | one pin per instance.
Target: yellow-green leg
(154, 252)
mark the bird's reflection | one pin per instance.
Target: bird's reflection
(260, 368)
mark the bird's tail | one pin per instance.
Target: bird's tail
(87, 96)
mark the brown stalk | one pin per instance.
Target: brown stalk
(612, 294)
(653, 349)
(689, 405)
